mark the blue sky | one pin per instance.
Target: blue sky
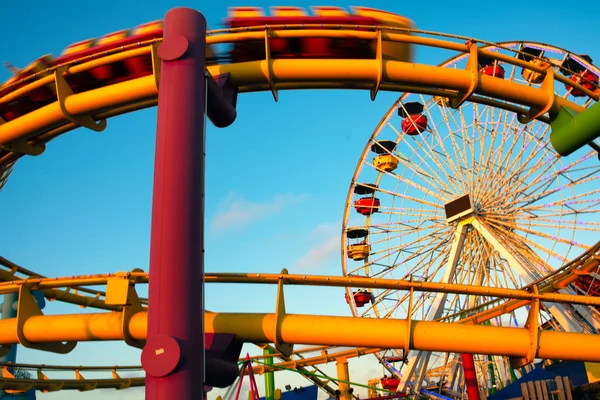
(276, 180)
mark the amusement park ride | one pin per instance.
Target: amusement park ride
(470, 235)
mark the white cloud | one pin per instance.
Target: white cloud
(236, 212)
(327, 246)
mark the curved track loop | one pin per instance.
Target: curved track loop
(101, 101)
(405, 233)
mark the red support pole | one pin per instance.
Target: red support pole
(173, 357)
(470, 376)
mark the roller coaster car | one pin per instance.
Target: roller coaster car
(294, 18)
(106, 73)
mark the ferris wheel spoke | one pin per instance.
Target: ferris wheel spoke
(534, 197)
(512, 171)
(539, 180)
(522, 209)
(433, 176)
(523, 239)
(456, 174)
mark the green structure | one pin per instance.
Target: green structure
(572, 130)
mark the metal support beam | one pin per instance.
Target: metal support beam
(323, 330)
(417, 363)
(269, 376)
(344, 376)
(173, 357)
(470, 376)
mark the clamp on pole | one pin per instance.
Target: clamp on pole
(28, 307)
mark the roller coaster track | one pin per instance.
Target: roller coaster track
(107, 326)
(12, 385)
(542, 290)
(29, 134)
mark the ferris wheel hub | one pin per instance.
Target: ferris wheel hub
(459, 208)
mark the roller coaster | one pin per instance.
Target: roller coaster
(472, 216)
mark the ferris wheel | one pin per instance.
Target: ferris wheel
(472, 196)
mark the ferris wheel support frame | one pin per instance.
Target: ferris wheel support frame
(419, 360)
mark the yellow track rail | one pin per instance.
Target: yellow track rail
(71, 110)
(13, 385)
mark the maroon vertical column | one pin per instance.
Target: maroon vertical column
(174, 353)
(470, 376)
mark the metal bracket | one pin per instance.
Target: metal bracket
(6, 373)
(22, 146)
(63, 91)
(270, 65)
(86, 386)
(27, 308)
(124, 385)
(473, 67)
(548, 87)
(53, 387)
(284, 348)
(532, 325)
(155, 63)
(379, 58)
(121, 291)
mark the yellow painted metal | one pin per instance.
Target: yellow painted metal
(296, 73)
(27, 307)
(333, 281)
(398, 284)
(285, 348)
(325, 330)
(324, 358)
(51, 385)
(344, 376)
(473, 68)
(117, 289)
(533, 326)
(22, 146)
(379, 60)
(548, 87)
